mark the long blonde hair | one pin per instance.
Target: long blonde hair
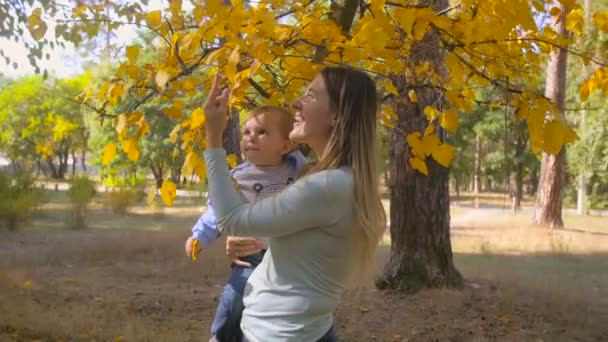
(352, 143)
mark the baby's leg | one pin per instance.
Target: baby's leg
(226, 325)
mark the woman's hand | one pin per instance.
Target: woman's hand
(216, 113)
(237, 247)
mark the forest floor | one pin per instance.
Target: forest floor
(126, 278)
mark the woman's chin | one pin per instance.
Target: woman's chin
(297, 136)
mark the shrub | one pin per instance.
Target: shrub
(18, 199)
(81, 192)
(121, 199)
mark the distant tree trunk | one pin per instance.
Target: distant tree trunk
(232, 136)
(421, 253)
(549, 201)
(157, 171)
(516, 177)
(457, 184)
(477, 165)
(52, 168)
(73, 163)
(83, 156)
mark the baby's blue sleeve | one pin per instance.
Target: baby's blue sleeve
(205, 230)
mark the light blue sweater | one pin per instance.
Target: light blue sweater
(292, 294)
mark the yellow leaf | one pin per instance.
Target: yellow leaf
(102, 91)
(555, 11)
(420, 165)
(444, 154)
(27, 284)
(388, 109)
(412, 95)
(135, 117)
(129, 147)
(449, 121)
(174, 133)
(230, 68)
(189, 83)
(386, 121)
(36, 25)
(161, 78)
(167, 192)
(143, 129)
(575, 21)
(132, 53)
(132, 71)
(232, 160)
(153, 19)
(116, 92)
(198, 118)
(195, 249)
(600, 19)
(109, 153)
(413, 139)
(569, 4)
(523, 110)
(175, 111)
(430, 143)
(390, 87)
(88, 94)
(121, 126)
(555, 132)
(176, 6)
(431, 113)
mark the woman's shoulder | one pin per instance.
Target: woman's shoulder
(334, 180)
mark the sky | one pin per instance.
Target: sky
(63, 62)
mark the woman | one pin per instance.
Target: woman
(324, 227)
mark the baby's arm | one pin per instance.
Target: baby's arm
(204, 233)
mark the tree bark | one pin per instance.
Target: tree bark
(516, 177)
(421, 252)
(549, 201)
(73, 163)
(232, 136)
(477, 170)
(581, 193)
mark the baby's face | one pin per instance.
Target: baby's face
(263, 143)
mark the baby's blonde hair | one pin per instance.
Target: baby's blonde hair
(283, 116)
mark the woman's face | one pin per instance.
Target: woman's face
(314, 120)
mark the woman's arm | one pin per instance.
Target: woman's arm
(317, 200)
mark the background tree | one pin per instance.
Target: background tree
(41, 124)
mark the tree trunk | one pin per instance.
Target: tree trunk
(549, 201)
(83, 155)
(53, 169)
(477, 166)
(157, 171)
(232, 136)
(582, 182)
(73, 163)
(516, 177)
(421, 253)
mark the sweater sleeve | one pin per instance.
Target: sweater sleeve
(317, 200)
(205, 230)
